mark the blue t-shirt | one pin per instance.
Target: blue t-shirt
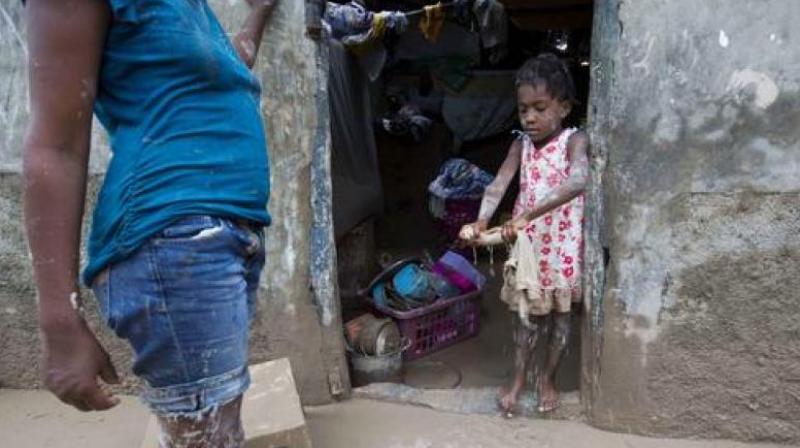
(182, 112)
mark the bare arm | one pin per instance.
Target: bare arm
(248, 41)
(65, 45)
(577, 147)
(497, 189)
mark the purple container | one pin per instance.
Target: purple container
(460, 272)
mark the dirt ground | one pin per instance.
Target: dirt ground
(35, 419)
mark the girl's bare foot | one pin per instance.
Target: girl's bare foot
(548, 396)
(507, 400)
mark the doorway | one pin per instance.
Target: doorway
(433, 81)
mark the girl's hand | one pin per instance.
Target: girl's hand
(511, 228)
(470, 232)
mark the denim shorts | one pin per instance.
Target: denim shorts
(184, 302)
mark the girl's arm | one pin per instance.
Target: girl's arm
(577, 147)
(248, 41)
(497, 189)
(65, 46)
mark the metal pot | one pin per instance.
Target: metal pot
(369, 335)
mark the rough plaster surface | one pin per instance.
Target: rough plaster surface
(695, 116)
(289, 317)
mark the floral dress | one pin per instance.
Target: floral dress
(557, 236)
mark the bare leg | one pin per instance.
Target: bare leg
(559, 338)
(525, 337)
(221, 428)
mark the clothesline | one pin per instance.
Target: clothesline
(421, 11)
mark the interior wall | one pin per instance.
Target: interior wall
(694, 118)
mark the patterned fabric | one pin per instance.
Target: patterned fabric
(558, 235)
(358, 27)
(347, 19)
(460, 179)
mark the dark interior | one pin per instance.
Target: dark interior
(407, 166)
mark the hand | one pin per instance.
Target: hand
(471, 232)
(73, 359)
(512, 228)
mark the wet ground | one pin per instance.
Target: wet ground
(35, 419)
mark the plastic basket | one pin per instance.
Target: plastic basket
(438, 325)
(435, 326)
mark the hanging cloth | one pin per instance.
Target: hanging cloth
(361, 30)
(431, 23)
(493, 22)
(521, 290)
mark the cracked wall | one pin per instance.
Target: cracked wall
(695, 112)
(298, 311)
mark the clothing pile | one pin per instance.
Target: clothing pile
(455, 195)
(459, 179)
(407, 122)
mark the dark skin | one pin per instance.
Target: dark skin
(65, 46)
(541, 116)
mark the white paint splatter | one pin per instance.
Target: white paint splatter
(208, 233)
(723, 39)
(766, 91)
(643, 63)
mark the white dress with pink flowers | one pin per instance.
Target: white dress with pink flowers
(557, 236)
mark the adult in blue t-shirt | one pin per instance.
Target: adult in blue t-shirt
(176, 245)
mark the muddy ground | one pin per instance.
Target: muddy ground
(34, 419)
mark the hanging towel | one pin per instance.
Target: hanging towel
(493, 23)
(431, 23)
(521, 289)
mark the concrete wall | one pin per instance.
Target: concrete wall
(299, 314)
(695, 327)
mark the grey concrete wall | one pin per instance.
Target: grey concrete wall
(298, 313)
(696, 323)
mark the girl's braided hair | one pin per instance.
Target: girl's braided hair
(548, 70)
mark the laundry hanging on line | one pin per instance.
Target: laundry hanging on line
(362, 32)
(357, 28)
(432, 21)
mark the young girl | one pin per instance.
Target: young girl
(549, 214)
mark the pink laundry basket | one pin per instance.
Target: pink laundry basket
(435, 326)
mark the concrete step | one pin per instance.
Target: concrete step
(271, 412)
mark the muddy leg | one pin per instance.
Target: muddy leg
(559, 338)
(221, 428)
(525, 337)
